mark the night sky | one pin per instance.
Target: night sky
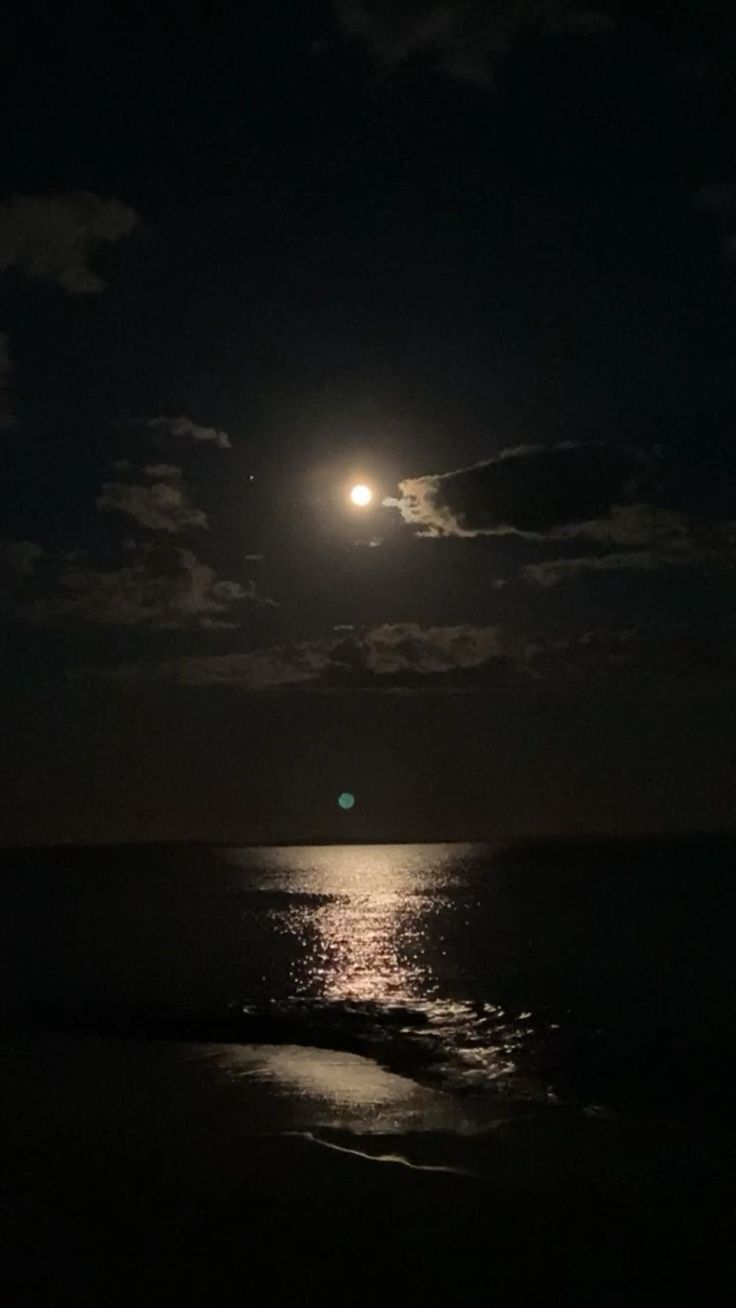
(479, 256)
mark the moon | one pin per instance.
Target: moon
(361, 496)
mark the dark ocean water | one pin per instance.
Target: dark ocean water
(601, 974)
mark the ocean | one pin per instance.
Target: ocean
(546, 1028)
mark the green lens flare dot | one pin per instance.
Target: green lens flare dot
(346, 801)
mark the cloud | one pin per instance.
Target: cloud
(233, 591)
(390, 656)
(719, 199)
(462, 39)
(162, 587)
(529, 490)
(166, 470)
(165, 588)
(162, 506)
(18, 559)
(6, 371)
(392, 647)
(654, 654)
(553, 571)
(53, 238)
(185, 427)
(634, 525)
(647, 512)
(671, 540)
(719, 203)
(409, 658)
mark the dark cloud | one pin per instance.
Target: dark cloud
(719, 203)
(6, 371)
(634, 525)
(529, 490)
(388, 656)
(463, 39)
(53, 238)
(393, 647)
(649, 653)
(165, 470)
(553, 571)
(233, 592)
(17, 559)
(191, 430)
(169, 588)
(163, 588)
(164, 505)
(633, 511)
(719, 199)
(695, 547)
(406, 657)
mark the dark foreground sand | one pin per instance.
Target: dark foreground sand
(152, 1174)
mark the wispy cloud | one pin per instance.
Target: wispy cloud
(707, 548)
(462, 39)
(53, 238)
(553, 571)
(192, 430)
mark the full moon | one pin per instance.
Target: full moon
(361, 495)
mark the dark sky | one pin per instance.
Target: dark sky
(481, 256)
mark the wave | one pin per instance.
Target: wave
(465, 1047)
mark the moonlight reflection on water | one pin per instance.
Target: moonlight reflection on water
(364, 937)
(374, 933)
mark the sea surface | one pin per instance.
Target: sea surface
(551, 1022)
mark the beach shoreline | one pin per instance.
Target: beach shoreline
(131, 1168)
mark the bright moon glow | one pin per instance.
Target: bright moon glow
(361, 495)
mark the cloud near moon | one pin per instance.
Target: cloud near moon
(528, 490)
